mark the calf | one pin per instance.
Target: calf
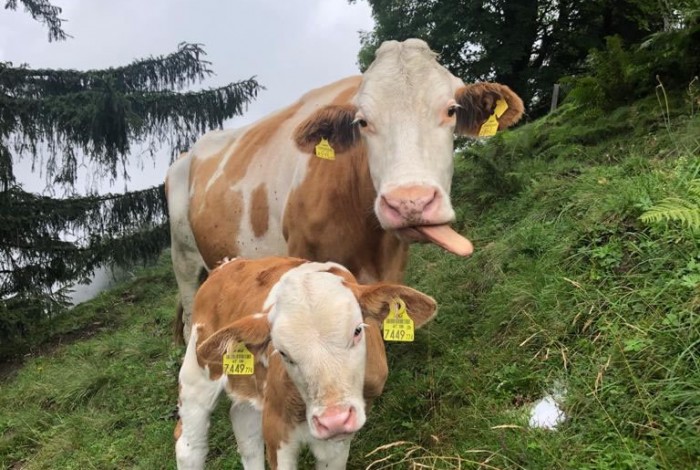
(311, 329)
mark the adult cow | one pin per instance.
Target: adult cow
(262, 190)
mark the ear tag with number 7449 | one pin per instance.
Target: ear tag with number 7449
(398, 326)
(238, 360)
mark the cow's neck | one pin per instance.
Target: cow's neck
(330, 216)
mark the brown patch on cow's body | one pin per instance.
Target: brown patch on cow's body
(259, 211)
(178, 430)
(335, 202)
(216, 231)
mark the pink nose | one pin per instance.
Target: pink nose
(336, 420)
(408, 205)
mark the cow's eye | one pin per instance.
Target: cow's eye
(452, 110)
(358, 331)
(286, 358)
(360, 122)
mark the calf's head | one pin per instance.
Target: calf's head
(407, 111)
(315, 321)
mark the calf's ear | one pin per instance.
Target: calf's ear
(333, 123)
(477, 103)
(374, 301)
(253, 331)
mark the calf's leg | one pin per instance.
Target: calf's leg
(247, 426)
(198, 396)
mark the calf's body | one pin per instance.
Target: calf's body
(314, 332)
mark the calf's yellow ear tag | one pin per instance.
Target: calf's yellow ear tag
(398, 326)
(238, 360)
(490, 127)
(324, 150)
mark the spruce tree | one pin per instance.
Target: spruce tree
(63, 119)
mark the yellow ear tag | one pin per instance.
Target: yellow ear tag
(501, 107)
(238, 360)
(324, 150)
(398, 326)
(490, 127)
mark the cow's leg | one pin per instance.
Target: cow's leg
(187, 262)
(331, 455)
(198, 395)
(287, 455)
(247, 426)
(188, 267)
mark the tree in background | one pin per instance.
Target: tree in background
(64, 119)
(526, 44)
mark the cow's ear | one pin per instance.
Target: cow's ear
(333, 123)
(375, 299)
(253, 331)
(477, 102)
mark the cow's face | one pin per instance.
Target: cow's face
(316, 324)
(406, 112)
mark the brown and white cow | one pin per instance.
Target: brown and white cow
(261, 190)
(305, 324)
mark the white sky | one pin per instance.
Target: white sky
(291, 46)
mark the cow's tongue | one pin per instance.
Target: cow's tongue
(445, 237)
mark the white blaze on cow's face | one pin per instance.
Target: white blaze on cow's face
(406, 113)
(317, 329)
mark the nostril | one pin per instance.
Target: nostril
(351, 416)
(428, 200)
(393, 205)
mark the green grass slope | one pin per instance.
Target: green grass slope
(568, 292)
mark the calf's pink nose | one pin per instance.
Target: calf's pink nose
(410, 204)
(336, 420)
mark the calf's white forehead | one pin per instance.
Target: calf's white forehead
(296, 273)
(308, 304)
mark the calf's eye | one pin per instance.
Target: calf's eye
(358, 331)
(451, 111)
(285, 357)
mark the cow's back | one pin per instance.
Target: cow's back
(236, 289)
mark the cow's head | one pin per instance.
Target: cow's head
(407, 111)
(315, 321)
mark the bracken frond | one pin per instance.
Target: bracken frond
(674, 209)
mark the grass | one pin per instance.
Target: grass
(568, 289)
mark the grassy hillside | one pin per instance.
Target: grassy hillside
(568, 292)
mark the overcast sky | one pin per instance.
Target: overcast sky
(291, 46)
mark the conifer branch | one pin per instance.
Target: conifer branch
(44, 12)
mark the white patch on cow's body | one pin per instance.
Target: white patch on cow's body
(187, 261)
(214, 142)
(198, 396)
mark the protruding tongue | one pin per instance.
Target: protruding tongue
(445, 237)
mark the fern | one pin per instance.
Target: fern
(685, 211)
